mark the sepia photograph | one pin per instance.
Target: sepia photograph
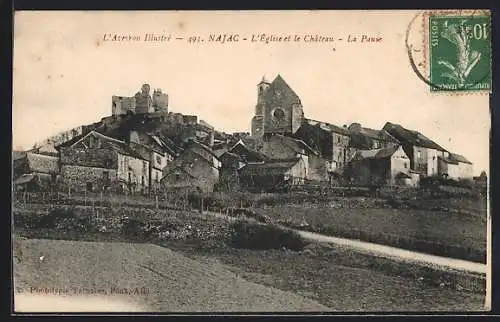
(251, 161)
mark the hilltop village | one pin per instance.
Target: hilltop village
(142, 147)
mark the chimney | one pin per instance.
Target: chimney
(355, 127)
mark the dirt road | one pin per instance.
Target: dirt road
(390, 252)
(398, 253)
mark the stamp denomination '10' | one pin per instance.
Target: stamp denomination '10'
(460, 53)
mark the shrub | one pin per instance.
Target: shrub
(251, 235)
(132, 228)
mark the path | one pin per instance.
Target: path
(390, 252)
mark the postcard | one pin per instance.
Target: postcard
(251, 161)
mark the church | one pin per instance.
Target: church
(283, 133)
(278, 109)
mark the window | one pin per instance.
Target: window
(419, 154)
(129, 177)
(406, 165)
(89, 186)
(158, 159)
(105, 175)
(338, 139)
(144, 166)
(142, 181)
(279, 113)
(156, 177)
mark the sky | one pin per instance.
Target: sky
(65, 72)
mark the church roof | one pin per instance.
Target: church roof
(279, 84)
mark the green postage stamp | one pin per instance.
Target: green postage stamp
(459, 52)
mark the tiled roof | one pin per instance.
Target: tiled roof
(280, 83)
(376, 153)
(297, 145)
(247, 154)
(362, 139)
(269, 168)
(328, 127)
(413, 137)
(18, 155)
(42, 163)
(25, 178)
(455, 159)
(124, 149)
(459, 158)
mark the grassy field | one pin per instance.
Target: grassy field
(138, 277)
(442, 233)
(333, 277)
(342, 280)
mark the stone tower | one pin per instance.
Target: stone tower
(258, 119)
(278, 110)
(143, 100)
(160, 102)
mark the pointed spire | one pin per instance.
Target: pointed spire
(264, 80)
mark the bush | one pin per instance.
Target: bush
(65, 219)
(251, 235)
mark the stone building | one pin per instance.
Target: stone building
(363, 138)
(278, 109)
(455, 167)
(33, 171)
(141, 103)
(331, 141)
(196, 169)
(385, 166)
(152, 148)
(280, 147)
(422, 151)
(95, 162)
(231, 163)
(273, 175)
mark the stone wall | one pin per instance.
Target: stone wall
(258, 126)
(81, 179)
(275, 148)
(134, 172)
(121, 105)
(399, 163)
(340, 150)
(280, 96)
(317, 170)
(89, 157)
(160, 101)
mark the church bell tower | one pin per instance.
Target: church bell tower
(258, 119)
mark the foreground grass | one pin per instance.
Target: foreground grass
(332, 276)
(338, 280)
(138, 277)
